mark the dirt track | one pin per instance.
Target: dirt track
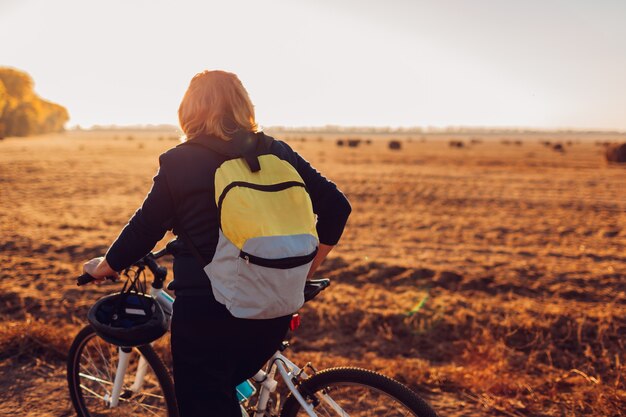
(517, 252)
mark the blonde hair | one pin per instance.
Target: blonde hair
(215, 103)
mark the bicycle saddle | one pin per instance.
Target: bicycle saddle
(314, 287)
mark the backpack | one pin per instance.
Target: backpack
(267, 234)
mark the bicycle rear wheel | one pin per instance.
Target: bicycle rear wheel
(356, 392)
(91, 367)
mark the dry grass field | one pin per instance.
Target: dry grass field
(491, 277)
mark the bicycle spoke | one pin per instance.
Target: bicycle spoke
(107, 363)
(93, 364)
(95, 376)
(333, 405)
(100, 381)
(95, 394)
(149, 407)
(134, 401)
(152, 395)
(96, 370)
(146, 407)
(355, 400)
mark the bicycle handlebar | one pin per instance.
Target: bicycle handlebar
(160, 272)
(86, 279)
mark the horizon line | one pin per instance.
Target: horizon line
(332, 128)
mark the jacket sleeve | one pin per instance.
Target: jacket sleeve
(329, 203)
(145, 228)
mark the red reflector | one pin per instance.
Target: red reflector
(295, 322)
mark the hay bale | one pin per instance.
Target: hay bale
(395, 144)
(340, 142)
(616, 153)
(448, 279)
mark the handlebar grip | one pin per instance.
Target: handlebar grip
(160, 272)
(84, 279)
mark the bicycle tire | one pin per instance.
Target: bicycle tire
(85, 408)
(334, 379)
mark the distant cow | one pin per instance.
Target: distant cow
(616, 153)
(558, 147)
(339, 142)
(353, 143)
(456, 144)
(395, 144)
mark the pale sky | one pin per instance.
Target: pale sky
(503, 63)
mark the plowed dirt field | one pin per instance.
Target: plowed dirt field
(490, 278)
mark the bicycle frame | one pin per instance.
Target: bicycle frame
(287, 370)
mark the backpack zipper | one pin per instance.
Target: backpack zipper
(281, 263)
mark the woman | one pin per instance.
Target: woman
(212, 350)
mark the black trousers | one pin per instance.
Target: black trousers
(213, 352)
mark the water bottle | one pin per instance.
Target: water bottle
(245, 390)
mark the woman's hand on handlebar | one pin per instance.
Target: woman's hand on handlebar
(99, 269)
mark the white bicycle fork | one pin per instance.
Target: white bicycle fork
(122, 366)
(165, 300)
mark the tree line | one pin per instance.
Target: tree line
(22, 112)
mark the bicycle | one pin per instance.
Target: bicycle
(108, 380)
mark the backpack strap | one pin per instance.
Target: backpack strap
(252, 159)
(243, 144)
(223, 148)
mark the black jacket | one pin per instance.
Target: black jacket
(182, 198)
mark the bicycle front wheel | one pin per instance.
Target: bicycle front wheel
(356, 392)
(91, 367)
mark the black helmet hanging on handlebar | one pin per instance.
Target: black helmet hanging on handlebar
(128, 318)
